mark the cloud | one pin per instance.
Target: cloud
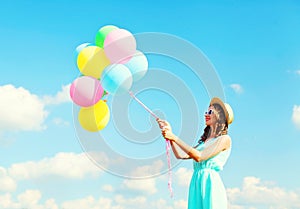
(145, 186)
(141, 201)
(253, 194)
(33, 199)
(60, 122)
(148, 169)
(163, 204)
(88, 203)
(7, 184)
(118, 202)
(121, 202)
(297, 72)
(180, 204)
(61, 97)
(183, 176)
(67, 165)
(256, 193)
(28, 199)
(296, 116)
(20, 110)
(107, 188)
(237, 88)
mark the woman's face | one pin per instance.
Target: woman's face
(210, 116)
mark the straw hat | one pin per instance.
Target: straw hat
(226, 107)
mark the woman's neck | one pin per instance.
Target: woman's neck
(212, 132)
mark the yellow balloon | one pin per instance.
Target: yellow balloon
(91, 61)
(94, 118)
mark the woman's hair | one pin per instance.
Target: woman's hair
(221, 124)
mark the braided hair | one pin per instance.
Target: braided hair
(221, 125)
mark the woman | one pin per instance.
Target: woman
(206, 189)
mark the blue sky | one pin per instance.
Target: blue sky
(254, 48)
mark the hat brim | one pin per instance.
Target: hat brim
(218, 101)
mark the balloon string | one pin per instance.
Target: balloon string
(144, 106)
(168, 145)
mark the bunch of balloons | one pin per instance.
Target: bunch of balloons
(109, 66)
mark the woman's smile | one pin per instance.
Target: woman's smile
(207, 118)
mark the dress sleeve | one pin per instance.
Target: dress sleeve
(220, 144)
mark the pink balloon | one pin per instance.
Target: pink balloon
(119, 46)
(86, 91)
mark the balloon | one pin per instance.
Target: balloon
(138, 65)
(119, 46)
(82, 46)
(91, 61)
(102, 33)
(79, 48)
(85, 91)
(94, 118)
(116, 79)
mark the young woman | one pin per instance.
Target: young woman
(206, 189)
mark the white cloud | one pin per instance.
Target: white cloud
(28, 199)
(20, 110)
(7, 184)
(240, 207)
(88, 203)
(7, 202)
(32, 199)
(296, 116)
(256, 193)
(61, 97)
(107, 188)
(148, 169)
(297, 72)
(60, 122)
(68, 165)
(145, 186)
(121, 202)
(131, 202)
(163, 204)
(118, 202)
(160, 204)
(183, 176)
(180, 204)
(237, 88)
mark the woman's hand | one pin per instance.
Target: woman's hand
(166, 130)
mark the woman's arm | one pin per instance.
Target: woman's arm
(220, 144)
(178, 152)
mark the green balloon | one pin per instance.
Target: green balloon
(102, 33)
